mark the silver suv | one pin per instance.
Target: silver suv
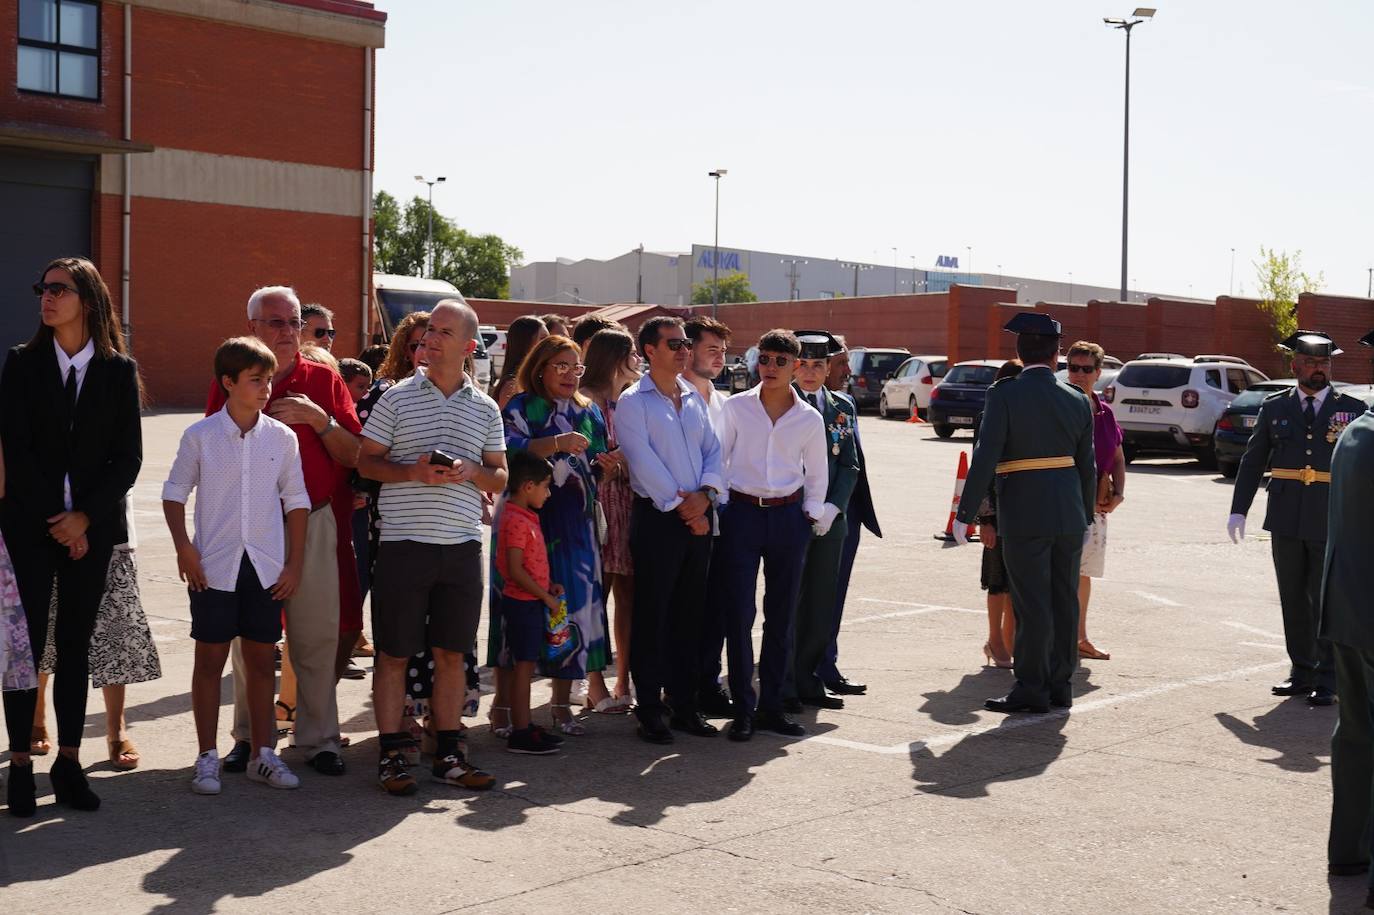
(1171, 403)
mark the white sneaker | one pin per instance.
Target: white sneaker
(271, 771)
(206, 779)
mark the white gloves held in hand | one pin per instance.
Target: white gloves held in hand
(1235, 526)
(960, 533)
(821, 526)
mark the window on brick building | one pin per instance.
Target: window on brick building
(59, 47)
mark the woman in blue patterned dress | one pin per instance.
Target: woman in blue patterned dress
(551, 419)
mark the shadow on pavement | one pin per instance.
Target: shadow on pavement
(1292, 729)
(960, 704)
(967, 769)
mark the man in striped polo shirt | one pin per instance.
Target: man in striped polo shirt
(435, 443)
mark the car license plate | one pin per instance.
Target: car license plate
(961, 420)
(1248, 422)
(1148, 411)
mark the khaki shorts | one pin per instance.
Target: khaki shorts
(1094, 561)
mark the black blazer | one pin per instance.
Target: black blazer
(102, 452)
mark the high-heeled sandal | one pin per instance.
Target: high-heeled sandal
(501, 731)
(122, 750)
(1088, 650)
(572, 727)
(39, 744)
(989, 660)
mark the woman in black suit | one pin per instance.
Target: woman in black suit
(73, 444)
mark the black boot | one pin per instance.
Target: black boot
(20, 791)
(69, 784)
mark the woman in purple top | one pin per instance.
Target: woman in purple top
(1085, 367)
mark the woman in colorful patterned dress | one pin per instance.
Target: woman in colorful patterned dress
(551, 419)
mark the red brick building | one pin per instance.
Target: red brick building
(194, 150)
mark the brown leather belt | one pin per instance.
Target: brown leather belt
(1306, 476)
(761, 502)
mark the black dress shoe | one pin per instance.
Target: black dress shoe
(694, 724)
(741, 729)
(1061, 703)
(1347, 870)
(792, 706)
(1290, 687)
(715, 703)
(236, 760)
(653, 730)
(327, 763)
(778, 723)
(20, 791)
(1008, 705)
(821, 702)
(1369, 900)
(69, 785)
(846, 687)
(1321, 696)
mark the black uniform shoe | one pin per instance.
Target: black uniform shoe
(1008, 705)
(20, 791)
(1061, 702)
(778, 723)
(1321, 696)
(822, 701)
(792, 706)
(236, 760)
(694, 724)
(846, 687)
(741, 729)
(1290, 687)
(715, 703)
(1369, 900)
(1347, 870)
(653, 730)
(327, 763)
(69, 785)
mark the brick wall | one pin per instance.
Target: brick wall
(1171, 323)
(917, 322)
(1118, 327)
(501, 312)
(968, 320)
(1345, 319)
(1243, 330)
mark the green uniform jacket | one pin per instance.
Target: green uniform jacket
(841, 420)
(1030, 416)
(1347, 614)
(1280, 439)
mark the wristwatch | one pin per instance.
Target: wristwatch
(328, 427)
(710, 493)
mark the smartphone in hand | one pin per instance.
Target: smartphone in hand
(442, 458)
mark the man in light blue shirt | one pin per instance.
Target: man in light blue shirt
(674, 459)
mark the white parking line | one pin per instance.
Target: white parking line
(1244, 627)
(1155, 598)
(1007, 723)
(916, 609)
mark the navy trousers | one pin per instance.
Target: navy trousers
(712, 626)
(827, 669)
(777, 537)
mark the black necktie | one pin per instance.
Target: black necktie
(1308, 414)
(820, 402)
(71, 393)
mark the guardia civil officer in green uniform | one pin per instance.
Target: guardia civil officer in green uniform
(815, 617)
(1347, 625)
(1036, 438)
(1294, 436)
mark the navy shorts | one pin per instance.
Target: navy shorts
(522, 628)
(249, 611)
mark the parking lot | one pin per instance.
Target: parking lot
(1176, 784)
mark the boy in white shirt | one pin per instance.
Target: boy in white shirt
(247, 467)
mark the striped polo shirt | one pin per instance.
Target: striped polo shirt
(413, 418)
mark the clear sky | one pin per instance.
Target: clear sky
(582, 129)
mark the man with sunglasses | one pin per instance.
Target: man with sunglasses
(673, 455)
(319, 326)
(774, 452)
(1295, 434)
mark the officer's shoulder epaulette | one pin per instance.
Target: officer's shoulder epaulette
(1003, 380)
(1286, 392)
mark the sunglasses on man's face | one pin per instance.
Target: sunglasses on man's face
(780, 361)
(1082, 369)
(56, 290)
(678, 343)
(322, 332)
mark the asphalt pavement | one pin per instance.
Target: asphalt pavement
(1176, 784)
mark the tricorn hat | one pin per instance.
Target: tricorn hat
(818, 344)
(1312, 343)
(1032, 322)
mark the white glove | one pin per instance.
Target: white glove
(1235, 526)
(821, 526)
(960, 533)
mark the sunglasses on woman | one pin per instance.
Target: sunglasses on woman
(56, 290)
(779, 360)
(322, 332)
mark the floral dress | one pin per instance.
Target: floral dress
(568, 520)
(616, 499)
(16, 654)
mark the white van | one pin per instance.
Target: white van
(397, 296)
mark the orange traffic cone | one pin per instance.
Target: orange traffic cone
(948, 533)
(915, 416)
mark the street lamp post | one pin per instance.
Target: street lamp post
(968, 261)
(1140, 15)
(715, 257)
(856, 268)
(429, 245)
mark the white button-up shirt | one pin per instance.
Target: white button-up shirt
(771, 460)
(81, 361)
(247, 482)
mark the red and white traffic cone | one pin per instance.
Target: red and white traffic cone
(915, 416)
(959, 478)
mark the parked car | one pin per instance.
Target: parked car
(908, 388)
(869, 367)
(495, 342)
(1169, 403)
(1110, 367)
(1236, 425)
(735, 376)
(957, 401)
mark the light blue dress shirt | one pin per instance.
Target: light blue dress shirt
(668, 451)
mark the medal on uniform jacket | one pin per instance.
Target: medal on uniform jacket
(838, 431)
(1337, 425)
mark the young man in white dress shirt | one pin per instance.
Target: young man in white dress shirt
(773, 454)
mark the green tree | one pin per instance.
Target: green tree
(479, 265)
(1281, 280)
(734, 287)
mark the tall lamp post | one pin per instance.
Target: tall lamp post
(715, 256)
(1140, 15)
(429, 245)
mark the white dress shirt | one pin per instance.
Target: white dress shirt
(771, 460)
(247, 482)
(1317, 399)
(81, 361)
